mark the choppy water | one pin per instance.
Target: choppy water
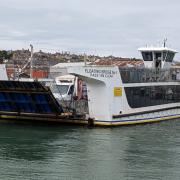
(31, 151)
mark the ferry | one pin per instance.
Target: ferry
(145, 93)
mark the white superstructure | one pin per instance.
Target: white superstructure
(118, 96)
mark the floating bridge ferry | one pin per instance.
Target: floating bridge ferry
(142, 91)
(148, 92)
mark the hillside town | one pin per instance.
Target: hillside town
(42, 61)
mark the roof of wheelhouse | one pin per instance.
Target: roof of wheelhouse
(151, 48)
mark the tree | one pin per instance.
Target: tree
(5, 55)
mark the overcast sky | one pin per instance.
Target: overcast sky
(101, 27)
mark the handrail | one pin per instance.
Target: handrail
(143, 75)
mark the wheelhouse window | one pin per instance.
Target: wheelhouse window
(158, 55)
(147, 56)
(168, 56)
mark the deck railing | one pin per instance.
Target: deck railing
(143, 75)
(76, 106)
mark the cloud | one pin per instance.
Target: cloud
(103, 27)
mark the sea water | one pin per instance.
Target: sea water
(53, 152)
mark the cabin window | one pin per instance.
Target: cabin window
(157, 55)
(169, 57)
(152, 95)
(147, 56)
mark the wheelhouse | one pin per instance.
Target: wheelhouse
(157, 57)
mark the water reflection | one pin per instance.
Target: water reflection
(68, 152)
(28, 141)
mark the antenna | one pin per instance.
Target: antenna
(85, 59)
(164, 42)
(20, 70)
(31, 60)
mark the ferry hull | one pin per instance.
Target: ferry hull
(151, 117)
(136, 121)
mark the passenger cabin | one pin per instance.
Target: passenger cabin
(157, 57)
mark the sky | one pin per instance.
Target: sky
(100, 27)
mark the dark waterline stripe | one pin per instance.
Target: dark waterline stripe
(144, 112)
(138, 119)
